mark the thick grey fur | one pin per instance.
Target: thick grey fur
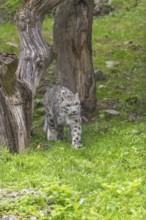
(62, 107)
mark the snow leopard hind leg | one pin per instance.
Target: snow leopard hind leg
(49, 126)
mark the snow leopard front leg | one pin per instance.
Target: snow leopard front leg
(76, 131)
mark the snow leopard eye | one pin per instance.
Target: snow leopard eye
(76, 103)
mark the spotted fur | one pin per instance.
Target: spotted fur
(62, 108)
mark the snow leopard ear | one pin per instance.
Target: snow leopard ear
(77, 96)
(63, 94)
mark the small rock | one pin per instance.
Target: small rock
(110, 64)
(111, 112)
(10, 217)
(128, 42)
(99, 75)
(33, 218)
(102, 87)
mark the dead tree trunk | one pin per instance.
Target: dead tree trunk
(17, 90)
(15, 106)
(72, 37)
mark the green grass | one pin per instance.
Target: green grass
(110, 36)
(105, 180)
(9, 39)
(10, 7)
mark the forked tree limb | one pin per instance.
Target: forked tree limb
(35, 54)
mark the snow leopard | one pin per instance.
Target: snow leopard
(62, 107)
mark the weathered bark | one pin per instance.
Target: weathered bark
(35, 54)
(72, 37)
(17, 90)
(15, 106)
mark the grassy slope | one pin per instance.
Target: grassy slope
(105, 179)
